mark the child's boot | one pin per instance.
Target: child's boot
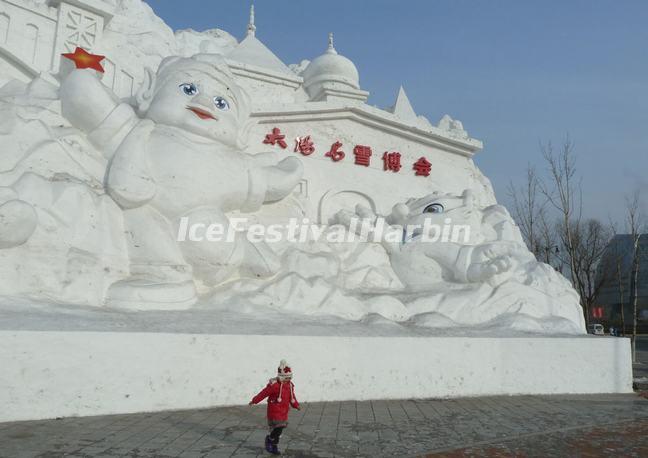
(268, 444)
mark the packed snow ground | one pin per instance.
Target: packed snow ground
(20, 314)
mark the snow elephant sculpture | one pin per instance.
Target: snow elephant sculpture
(470, 263)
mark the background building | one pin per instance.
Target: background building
(618, 287)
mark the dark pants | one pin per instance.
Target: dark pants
(275, 434)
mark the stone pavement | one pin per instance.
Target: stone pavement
(566, 425)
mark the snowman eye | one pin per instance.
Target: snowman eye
(221, 103)
(189, 89)
(434, 208)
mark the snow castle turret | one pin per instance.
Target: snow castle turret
(332, 76)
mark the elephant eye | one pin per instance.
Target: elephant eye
(221, 103)
(189, 89)
(434, 208)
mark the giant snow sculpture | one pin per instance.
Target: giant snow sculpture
(94, 190)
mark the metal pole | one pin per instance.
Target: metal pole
(635, 274)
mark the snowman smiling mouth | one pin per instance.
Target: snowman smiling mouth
(201, 113)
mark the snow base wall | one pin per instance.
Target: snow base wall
(60, 374)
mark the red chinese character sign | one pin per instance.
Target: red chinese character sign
(334, 153)
(304, 145)
(362, 155)
(275, 138)
(422, 167)
(391, 161)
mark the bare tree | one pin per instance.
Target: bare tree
(621, 299)
(635, 225)
(550, 243)
(562, 191)
(616, 257)
(581, 242)
(528, 208)
(590, 239)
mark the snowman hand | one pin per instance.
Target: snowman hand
(282, 178)
(362, 215)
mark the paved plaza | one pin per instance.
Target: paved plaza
(597, 425)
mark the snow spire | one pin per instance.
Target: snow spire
(251, 28)
(330, 49)
(402, 107)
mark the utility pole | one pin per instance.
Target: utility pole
(619, 278)
(635, 289)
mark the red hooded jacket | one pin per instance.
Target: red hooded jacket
(281, 395)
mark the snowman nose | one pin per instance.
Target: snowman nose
(203, 101)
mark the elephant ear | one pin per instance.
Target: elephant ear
(399, 214)
(468, 198)
(146, 91)
(243, 139)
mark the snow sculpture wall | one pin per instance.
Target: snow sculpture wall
(97, 190)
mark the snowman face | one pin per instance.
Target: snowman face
(197, 103)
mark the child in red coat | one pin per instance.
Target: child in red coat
(280, 392)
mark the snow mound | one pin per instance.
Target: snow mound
(213, 41)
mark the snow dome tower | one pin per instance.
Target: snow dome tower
(332, 76)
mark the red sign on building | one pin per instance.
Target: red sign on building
(362, 155)
(334, 153)
(304, 145)
(275, 138)
(391, 161)
(422, 167)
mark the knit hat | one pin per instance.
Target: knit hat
(284, 372)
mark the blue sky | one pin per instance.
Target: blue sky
(514, 72)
